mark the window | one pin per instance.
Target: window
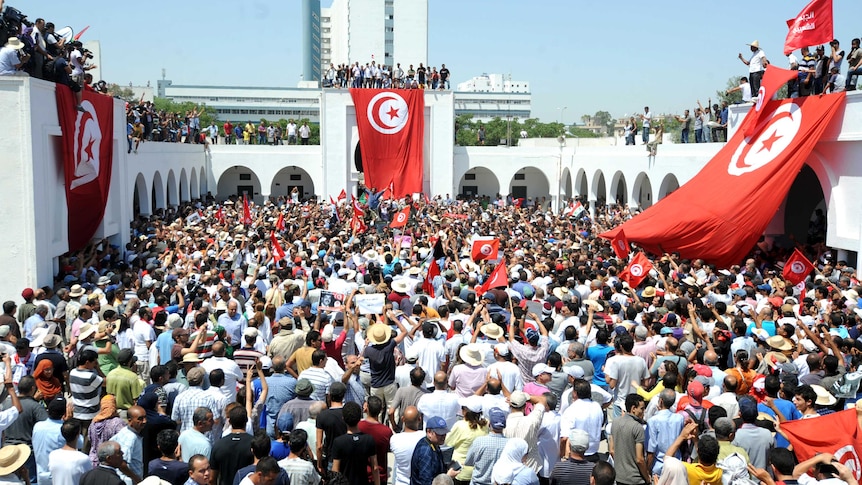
(469, 176)
(520, 176)
(295, 176)
(245, 176)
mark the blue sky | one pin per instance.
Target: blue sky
(615, 56)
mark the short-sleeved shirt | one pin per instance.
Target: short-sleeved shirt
(86, 388)
(352, 451)
(193, 442)
(173, 471)
(333, 426)
(125, 385)
(381, 359)
(702, 475)
(627, 432)
(381, 435)
(625, 369)
(229, 454)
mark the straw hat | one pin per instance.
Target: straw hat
(191, 357)
(87, 330)
(379, 333)
(778, 342)
(754, 44)
(400, 286)
(492, 331)
(77, 291)
(824, 398)
(12, 457)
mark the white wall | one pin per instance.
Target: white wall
(410, 37)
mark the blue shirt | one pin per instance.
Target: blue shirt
(165, 344)
(788, 410)
(233, 327)
(598, 354)
(46, 438)
(281, 389)
(661, 431)
(767, 325)
(285, 310)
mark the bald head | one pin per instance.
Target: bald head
(440, 380)
(278, 364)
(671, 344)
(494, 386)
(411, 418)
(710, 358)
(218, 349)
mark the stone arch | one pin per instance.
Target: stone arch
(567, 184)
(600, 191)
(289, 177)
(238, 180)
(619, 190)
(530, 183)
(173, 198)
(203, 183)
(668, 184)
(479, 181)
(184, 186)
(193, 184)
(158, 200)
(642, 191)
(141, 200)
(800, 206)
(581, 184)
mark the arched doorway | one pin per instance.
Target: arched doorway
(600, 191)
(642, 192)
(479, 181)
(193, 184)
(173, 199)
(619, 190)
(805, 208)
(530, 183)
(238, 180)
(567, 184)
(668, 184)
(288, 178)
(581, 184)
(158, 193)
(141, 197)
(184, 186)
(203, 183)
(357, 159)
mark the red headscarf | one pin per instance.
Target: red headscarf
(49, 386)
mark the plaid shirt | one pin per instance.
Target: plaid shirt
(483, 453)
(189, 400)
(426, 464)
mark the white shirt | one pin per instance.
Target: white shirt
(431, 355)
(304, 131)
(402, 445)
(586, 415)
(67, 466)
(232, 374)
(439, 403)
(76, 60)
(142, 333)
(756, 63)
(510, 374)
(548, 441)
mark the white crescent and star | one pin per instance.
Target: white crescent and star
(636, 270)
(88, 146)
(775, 133)
(486, 249)
(797, 267)
(388, 113)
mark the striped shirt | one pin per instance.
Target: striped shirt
(205, 350)
(320, 379)
(86, 386)
(186, 403)
(246, 358)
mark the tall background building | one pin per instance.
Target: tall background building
(386, 31)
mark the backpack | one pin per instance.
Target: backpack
(847, 386)
(49, 70)
(701, 422)
(745, 380)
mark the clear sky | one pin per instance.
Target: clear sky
(615, 56)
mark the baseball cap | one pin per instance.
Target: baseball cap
(126, 357)
(575, 371)
(473, 403)
(497, 418)
(250, 332)
(541, 369)
(437, 425)
(518, 399)
(695, 392)
(580, 438)
(747, 408)
(502, 349)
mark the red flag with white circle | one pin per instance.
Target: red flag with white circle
(621, 245)
(637, 270)
(485, 248)
(400, 219)
(391, 125)
(277, 250)
(797, 268)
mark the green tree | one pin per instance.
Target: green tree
(123, 92)
(603, 118)
(207, 116)
(577, 132)
(732, 98)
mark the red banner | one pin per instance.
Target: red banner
(277, 250)
(342, 194)
(721, 212)
(487, 248)
(637, 270)
(797, 268)
(812, 26)
(87, 147)
(391, 136)
(246, 211)
(428, 283)
(841, 439)
(400, 219)
(621, 245)
(279, 224)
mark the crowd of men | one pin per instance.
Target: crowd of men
(289, 349)
(381, 76)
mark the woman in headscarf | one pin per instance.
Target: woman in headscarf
(105, 425)
(673, 472)
(510, 468)
(49, 386)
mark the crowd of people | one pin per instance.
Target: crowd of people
(292, 349)
(381, 76)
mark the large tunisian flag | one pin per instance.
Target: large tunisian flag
(843, 439)
(391, 126)
(719, 214)
(88, 141)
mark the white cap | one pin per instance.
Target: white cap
(502, 349)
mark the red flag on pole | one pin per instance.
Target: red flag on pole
(277, 250)
(79, 34)
(391, 127)
(246, 211)
(400, 219)
(837, 434)
(335, 209)
(761, 167)
(357, 224)
(485, 248)
(87, 151)
(636, 271)
(428, 284)
(279, 224)
(621, 245)
(797, 268)
(219, 215)
(773, 79)
(812, 26)
(357, 208)
(342, 195)
(497, 279)
(518, 202)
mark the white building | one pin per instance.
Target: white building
(386, 31)
(165, 174)
(494, 83)
(492, 96)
